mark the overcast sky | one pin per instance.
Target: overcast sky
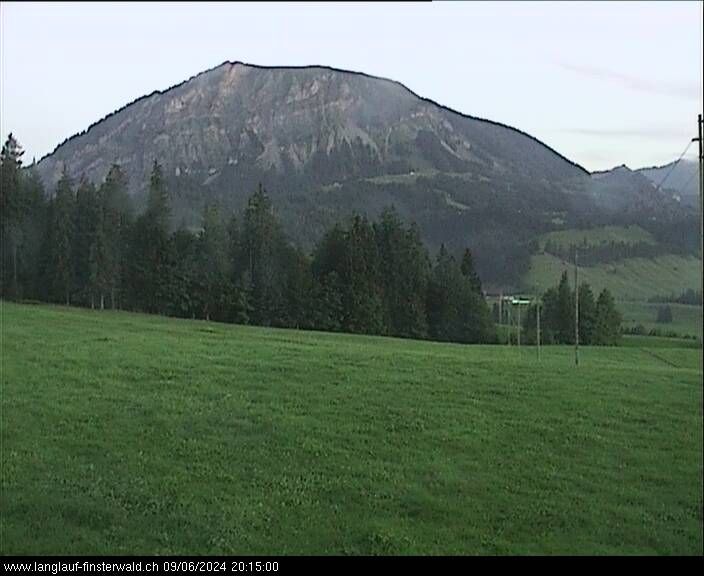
(604, 83)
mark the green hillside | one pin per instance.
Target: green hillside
(629, 279)
(129, 434)
(595, 236)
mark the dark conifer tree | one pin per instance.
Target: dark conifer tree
(240, 308)
(565, 302)
(360, 272)
(664, 315)
(297, 289)
(607, 329)
(550, 316)
(186, 290)
(158, 206)
(470, 273)
(258, 260)
(442, 314)
(151, 261)
(115, 235)
(587, 314)
(404, 266)
(327, 309)
(31, 228)
(455, 311)
(214, 264)
(12, 212)
(61, 242)
(87, 218)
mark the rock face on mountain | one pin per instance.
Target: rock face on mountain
(317, 123)
(326, 143)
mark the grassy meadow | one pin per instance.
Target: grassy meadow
(131, 434)
(686, 319)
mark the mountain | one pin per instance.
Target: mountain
(680, 179)
(328, 142)
(622, 190)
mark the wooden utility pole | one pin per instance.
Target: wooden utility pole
(518, 328)
(576, 309)
(501, 308)
(537, 325)
(700, 125)
(700, 128)
(509, 318)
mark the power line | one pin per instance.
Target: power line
(676, 162)
(684, 186)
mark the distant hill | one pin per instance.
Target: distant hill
(623, 190)
(328, 142)
(682, 181)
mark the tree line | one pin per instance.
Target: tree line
(690, 296)
(84, 245)
(599, 320)
(606, 252)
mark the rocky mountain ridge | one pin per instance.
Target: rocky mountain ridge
(328, 142)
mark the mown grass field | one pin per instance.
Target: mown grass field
(130, 434)
(629, 279)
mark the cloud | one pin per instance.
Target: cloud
(688, 91)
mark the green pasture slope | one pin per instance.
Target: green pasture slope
(130, 434)
(632, 281)
(629, 279)
(595, 236)
(686, 319)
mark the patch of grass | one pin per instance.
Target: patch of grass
(630, 279)
(130, 434)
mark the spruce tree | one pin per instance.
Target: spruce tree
(213, 261)
(12, 211)
(186, 290)
(440, 303)
(116, 221)
(587, 314)
(456, 312)
(239, 307)
(297, 289)
(152, 261)
(258, 259)
(62, 241)
(550, 317)
(86, 219)
(469, 272)
(404, 266)
(664, 315)
(362, 299)
(565, 304)
(607, 329)
(32, 229)
(329, 276)
(158, 208)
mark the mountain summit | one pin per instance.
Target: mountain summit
(327, 142)
(297, 120)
